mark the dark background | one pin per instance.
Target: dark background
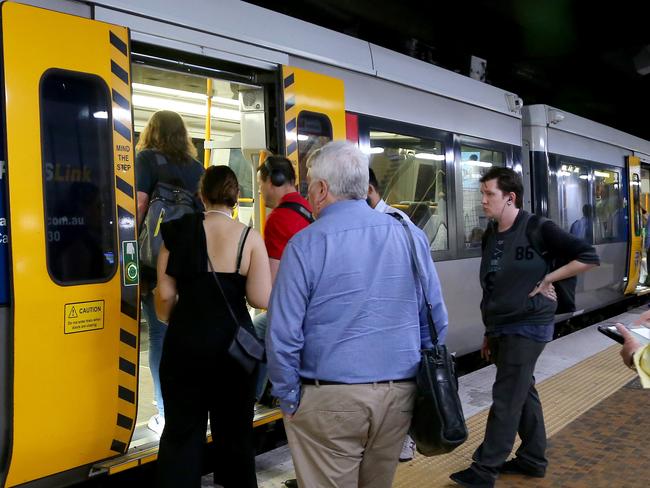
(576, 55)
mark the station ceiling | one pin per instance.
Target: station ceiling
(572, 54)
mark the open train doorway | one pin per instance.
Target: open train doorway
(225, 114)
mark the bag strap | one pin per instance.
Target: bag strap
(535, 237)
(240, 249)
(296, 207)
(420, 276)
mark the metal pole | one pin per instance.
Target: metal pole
(207, 152)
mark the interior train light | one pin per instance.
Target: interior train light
(601, 174)
(482, 164)
(374, 150)
(102, 114)
(184, 107)
(429, 156)
(160, 90)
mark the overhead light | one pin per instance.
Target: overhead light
(482, 164)
(303, 137)
(584, 177)
(373, 150)
(139, 87)
(429, 156)
(102, 114)
(601, 174)
(189, 108)
(563, 173)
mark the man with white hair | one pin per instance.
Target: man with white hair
(347, 322)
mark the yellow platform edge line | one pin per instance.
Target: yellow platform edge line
(565, 397)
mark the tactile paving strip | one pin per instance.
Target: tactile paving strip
(565, 397)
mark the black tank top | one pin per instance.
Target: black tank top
(200, 324)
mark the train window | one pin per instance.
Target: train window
(575, 211)
(411, 176)
(78, 177)
(314, 131)
(475, 162)
(610, 207)
(636, 192)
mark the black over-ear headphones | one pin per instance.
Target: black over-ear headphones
(276, 176)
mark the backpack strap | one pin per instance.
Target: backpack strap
(489, 230)
(296, 207)
(240, 249)
(534, 235)
(161, 160)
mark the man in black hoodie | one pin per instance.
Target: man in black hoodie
(518, 309)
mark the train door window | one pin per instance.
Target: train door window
(412, 177)
(575, 213)
(636, 191)
(314, 131)
(610, 207)
(475, 162)
(78, 174)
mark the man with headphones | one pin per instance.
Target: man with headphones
(518, 309)
(291, 213)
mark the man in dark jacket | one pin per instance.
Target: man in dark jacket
(518, 309)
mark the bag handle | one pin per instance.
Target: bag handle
(420, 276)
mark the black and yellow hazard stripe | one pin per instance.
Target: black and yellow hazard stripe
(125, 197)
(290, 119)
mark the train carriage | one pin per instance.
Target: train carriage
(80, 79)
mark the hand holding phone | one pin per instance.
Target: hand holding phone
(640, 334)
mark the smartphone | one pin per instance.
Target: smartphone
(640, 333)
(611, 332)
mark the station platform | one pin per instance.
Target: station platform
(594, 411)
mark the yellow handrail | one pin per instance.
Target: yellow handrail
(207, 152)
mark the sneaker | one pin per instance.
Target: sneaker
(408, 450)
(157, 424)
(471, 479)
(293, 483)
(514, 466)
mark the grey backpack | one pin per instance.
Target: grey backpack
(168, 202)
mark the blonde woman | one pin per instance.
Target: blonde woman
(165, 155)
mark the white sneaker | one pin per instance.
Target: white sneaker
(157, 424)
(408, 450)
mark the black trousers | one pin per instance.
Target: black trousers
(516, 407)
(191, 391)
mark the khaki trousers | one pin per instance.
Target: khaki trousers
(349, 436)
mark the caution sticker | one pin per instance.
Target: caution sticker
(84, 316)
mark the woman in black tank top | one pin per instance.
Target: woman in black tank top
(199, 378)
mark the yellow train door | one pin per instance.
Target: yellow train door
(635, 223)
(314, 114)
(71, 384)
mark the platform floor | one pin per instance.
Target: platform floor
(592, 408)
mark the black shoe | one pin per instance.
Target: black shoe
(291, 483)
(514, 466)
(471, 479)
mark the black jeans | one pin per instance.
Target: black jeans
(516, 407)
(225, 391)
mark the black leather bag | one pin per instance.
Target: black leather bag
(245, 347)
(438, 424)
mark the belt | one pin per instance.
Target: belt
(310, 381)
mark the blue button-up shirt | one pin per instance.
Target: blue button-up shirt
(346, 306)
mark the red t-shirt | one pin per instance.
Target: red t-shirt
(282, 224)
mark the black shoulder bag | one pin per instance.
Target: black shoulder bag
(438, 424)
(245, 347)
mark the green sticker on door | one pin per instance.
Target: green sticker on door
(130, 272)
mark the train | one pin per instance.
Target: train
(79, 80)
